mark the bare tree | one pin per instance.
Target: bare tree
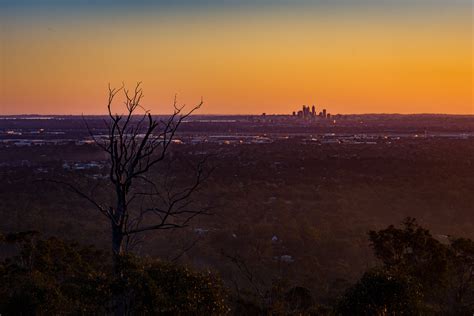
(135, 143)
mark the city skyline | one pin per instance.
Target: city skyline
(241, 57)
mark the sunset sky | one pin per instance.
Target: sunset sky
(242, 57)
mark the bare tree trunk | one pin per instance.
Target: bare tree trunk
(118, 219)
(117, 240)
(136, 143)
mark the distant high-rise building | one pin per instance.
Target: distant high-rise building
(305, 111)
(309, 113)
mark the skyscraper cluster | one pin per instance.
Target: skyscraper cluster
(310, 113)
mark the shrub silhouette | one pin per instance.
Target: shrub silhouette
(418, 275)
(52, 276)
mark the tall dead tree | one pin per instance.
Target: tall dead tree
(135, 144)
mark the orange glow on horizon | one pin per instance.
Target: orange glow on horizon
(243, 65)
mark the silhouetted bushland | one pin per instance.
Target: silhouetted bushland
(418, 275)
(51, 276)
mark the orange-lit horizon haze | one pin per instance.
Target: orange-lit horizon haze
(240, 59)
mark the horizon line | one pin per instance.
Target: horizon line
(248, 114)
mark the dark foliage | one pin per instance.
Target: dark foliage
(51, 276)
(280, 299)
(379, 293)
(152, 286)
(419, 275)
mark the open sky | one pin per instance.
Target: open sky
(350, 56)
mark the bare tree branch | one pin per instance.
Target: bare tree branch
(135, 143)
